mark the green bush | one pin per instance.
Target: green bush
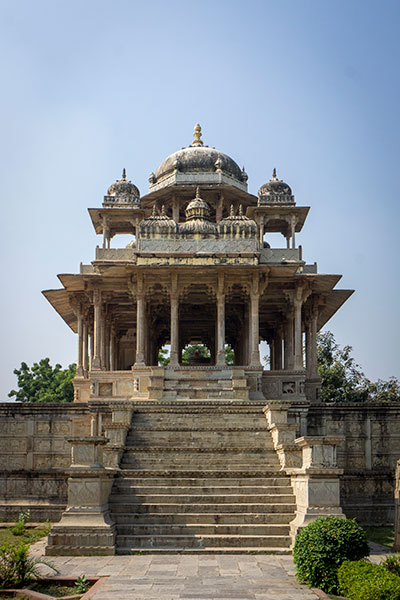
(362, 580)
(392, 563)
(322, 546)
(17, 568)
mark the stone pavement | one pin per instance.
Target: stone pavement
(191, 576)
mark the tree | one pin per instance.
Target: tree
(342, 379)
(189, 351)
(43, 383)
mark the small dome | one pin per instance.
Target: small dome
(122, 193)
(275, 191)
(239, 224)
(157, 225)
(198, 217)
(198, 160)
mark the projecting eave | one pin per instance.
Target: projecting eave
(333, 301)
(76, 282)
(319, 282)
(59, 299)
(119, 220)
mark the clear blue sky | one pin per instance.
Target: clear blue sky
(89, 87)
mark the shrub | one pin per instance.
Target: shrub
(81, 584)
(19, 527)
(322, 546)
(392, 563)
(16, 567)
(362, 580)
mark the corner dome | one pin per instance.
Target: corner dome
(198, 218)
(122, 193)
(198, 164)
(275, 191)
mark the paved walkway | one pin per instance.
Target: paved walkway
(190, 576)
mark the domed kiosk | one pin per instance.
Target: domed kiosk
(198, 270)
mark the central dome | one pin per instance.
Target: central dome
(198, 164)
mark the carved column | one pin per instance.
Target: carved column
(140, 318)
(79, 364)
(261, 231)
(288, 358)
(255, 322)
(219, 208)
(277, 365)
(313, 344)
(96, 363)
(85, 348)
(293, 223)
(298, 346)
(174, 329)
(221, 329)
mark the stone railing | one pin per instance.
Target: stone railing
(316, 484)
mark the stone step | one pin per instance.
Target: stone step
(208, 437)
(121, 551)
(182, 481)
(156, 529)
(204, 499)
(203, 541)
(196, 419)
(117, 505)
(249, 473)
(205, 518)
(123, 487)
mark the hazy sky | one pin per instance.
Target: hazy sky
(309, 87)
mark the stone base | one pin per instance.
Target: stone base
(79, 534)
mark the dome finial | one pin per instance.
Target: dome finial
(124, 173)
(197, 136)
(197, 192)
(274, 175)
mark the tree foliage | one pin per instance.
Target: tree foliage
(190, 350)
(43, 383)
(343, 379)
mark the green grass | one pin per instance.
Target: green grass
(31, 535)
(381, 535)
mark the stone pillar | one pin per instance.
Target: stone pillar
(79, 362)
(278, 350)
(298, 346)
(255, 330)
(288, 358)
(174, 357)
(293, 223)
(261, 231)
(96, 363)
(140, 329)
(85, 348)
(107, 337)
(220, 329)
(272, 355)
(313, 345)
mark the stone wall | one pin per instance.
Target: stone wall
(35, 456)
(368, 455)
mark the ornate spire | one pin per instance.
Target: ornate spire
(232, 213)
(274, 178)
(154, 213)
(240, 210)
(124, 174)
(197, 141)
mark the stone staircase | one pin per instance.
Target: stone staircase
(201, 476)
